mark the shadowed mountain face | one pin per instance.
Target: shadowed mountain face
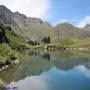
(36, 29)
(3, 38)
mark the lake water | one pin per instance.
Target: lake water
(46, 70)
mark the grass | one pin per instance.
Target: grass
(2, 85)
(16, 38)
(6, 53)
(62, 42)
(81, 43)
(17, 42)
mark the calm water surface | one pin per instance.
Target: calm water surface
(57, 70)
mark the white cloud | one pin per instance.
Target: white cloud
(64, 20)
(33, 8)
(84, 21)
(30, 83)
(82, 69)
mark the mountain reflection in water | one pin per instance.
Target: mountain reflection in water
(77, 78)
(50, 70)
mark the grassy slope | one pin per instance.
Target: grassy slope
(6, 49)
(16, 41)
(6, 53)
(62, 42)
(82, 43)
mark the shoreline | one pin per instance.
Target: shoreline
(6, 65)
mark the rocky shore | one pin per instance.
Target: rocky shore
(8, 63)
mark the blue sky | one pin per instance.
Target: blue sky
(76, 12)
(72, 11)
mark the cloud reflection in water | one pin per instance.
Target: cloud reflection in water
(77, 78)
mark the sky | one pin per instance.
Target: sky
(76, 12)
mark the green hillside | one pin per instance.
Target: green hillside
(9, 42)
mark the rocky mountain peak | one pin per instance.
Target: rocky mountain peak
(87, 27)
(17, 14)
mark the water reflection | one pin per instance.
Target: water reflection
(77, 78)
(35, 62)
(46, 56)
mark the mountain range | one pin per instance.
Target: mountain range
(37, 29)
